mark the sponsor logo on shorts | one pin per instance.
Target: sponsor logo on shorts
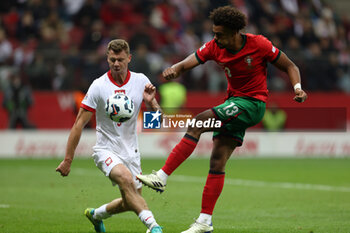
(108, 161)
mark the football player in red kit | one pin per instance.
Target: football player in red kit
(244, 59)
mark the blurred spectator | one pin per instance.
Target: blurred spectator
(173, 97)
(65, 35)
(290, 6)
(24, 53)
(188, 41)
(53, 22)
(308, 35)
(207, 33)
(344, 81)
(39, 74)
(139, 62)
(325, 26)
(143, 36)
(73, 6)
(163, 16)
(56, 6)
(10, 20)
(274, 119)
(26, 27)
(5, 47)
(320, 70)
(91, 68)
(39, 10)
(113, 11)
(60, 80)
(17, 100)
(48, 47)
(88, 12)
(93, 37)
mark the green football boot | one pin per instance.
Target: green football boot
(98, 224)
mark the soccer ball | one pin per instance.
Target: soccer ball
(119, 107)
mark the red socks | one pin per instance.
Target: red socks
(180, 153)
(212, 191)
(215, 180)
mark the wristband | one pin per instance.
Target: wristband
(297, 86)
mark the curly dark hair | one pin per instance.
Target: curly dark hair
(229, 17)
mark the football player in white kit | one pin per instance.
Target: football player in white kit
(116, 152)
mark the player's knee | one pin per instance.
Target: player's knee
(199, 127)
(123, 179)
(126, 181)
(194, 131)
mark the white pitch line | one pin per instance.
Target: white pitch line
(241, 182)
(4, 206)
(255, 183)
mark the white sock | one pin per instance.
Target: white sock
(147, 218)
(162, 175)
(204, 218)
(101, 212)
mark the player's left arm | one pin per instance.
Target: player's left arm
(149, 96)
(285, 64)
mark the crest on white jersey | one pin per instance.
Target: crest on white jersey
(119, 91)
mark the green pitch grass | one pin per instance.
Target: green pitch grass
(260, 196)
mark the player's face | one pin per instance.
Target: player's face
(223, 37)
(118, 62)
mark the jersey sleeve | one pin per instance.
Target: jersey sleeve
(143, 82)
(146, 80)
(270, 52)
(205, 52)
(90, 100)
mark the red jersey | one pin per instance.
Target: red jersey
(246, 69)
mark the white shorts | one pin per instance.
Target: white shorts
(105, 160)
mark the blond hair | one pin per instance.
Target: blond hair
(118, 45)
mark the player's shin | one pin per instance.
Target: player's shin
(212, 191)
(180, 153)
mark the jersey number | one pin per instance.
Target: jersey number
(229, 110)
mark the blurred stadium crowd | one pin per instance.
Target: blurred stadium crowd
(60, 44)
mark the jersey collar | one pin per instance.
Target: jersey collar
(109, 74)
(243, 44)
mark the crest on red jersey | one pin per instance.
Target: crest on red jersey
(249, 61)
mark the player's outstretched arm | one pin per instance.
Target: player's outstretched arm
(82, 119)
(179, 68)
(286, 65)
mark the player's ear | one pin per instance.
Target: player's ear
(130, 56)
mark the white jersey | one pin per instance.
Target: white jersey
(120, 138)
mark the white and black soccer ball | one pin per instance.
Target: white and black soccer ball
(119, 107)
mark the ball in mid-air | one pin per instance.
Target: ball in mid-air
(119, 107)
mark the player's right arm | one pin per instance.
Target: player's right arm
(82, 119)
(179, 68)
